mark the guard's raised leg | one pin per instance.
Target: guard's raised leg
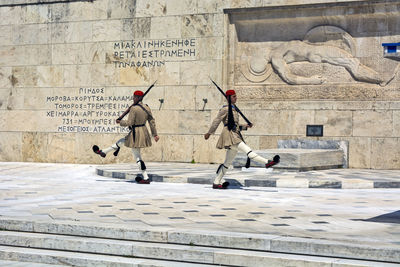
(254, 156)
(115, 147)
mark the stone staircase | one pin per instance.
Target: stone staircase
(95, 244)
(302, 155)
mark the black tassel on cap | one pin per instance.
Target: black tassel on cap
(231, 121)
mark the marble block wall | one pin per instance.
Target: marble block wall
(68, 70)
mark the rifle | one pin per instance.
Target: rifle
(127, 111)
(237, 109)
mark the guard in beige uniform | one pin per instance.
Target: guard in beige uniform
(138, 137)
(232, 140)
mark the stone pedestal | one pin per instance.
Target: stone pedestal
(302, 155)
(297, 159)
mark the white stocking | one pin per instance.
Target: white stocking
(136, 155)
(253, 156)
(230, 155)
(114, 146)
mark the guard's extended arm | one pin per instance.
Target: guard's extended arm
(152, 123)
(221, 115)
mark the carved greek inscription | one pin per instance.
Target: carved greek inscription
(90, 110)
(152, 53)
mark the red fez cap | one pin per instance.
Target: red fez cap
(138, 93)
(230, 92)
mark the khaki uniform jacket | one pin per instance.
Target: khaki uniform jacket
(227, 138)
(139, 135)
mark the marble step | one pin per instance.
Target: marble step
(108, 252)
(190, 238)
(32, 257)
(297, 159)
(12, 263)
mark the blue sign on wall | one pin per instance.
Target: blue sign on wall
(391, 50)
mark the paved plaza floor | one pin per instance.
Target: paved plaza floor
(260, 177)
(45, 191)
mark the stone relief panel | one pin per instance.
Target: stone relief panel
(299, 49)
(322, 44)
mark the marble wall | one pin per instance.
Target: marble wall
(68, 70)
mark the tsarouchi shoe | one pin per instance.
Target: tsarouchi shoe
(221, 186)
(97, 150)
(217, 186)
(225, 185)
(273, 162)
(140, 180)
